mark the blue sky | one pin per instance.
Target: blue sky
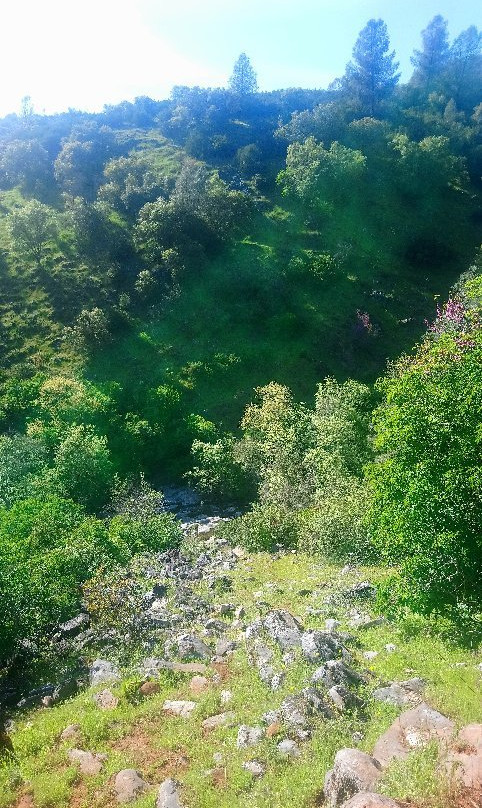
(84, 53)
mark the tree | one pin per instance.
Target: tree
(31, 228)
(372, 74)
(26, 163)
(431, 61)
(243, 79)
(465, 69)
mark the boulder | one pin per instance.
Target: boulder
(464, 760)
(128, 785)
(149, 688)
(283, 628)
(187, 647)
(105, 700)
(168, 795)
(352, 771)
(288, 748)
(413, 728)
(335, 672)
(249, 736)
(320, 646)
(70, 732)
(367, 799)
(180, 708)
(88, 763)
(103, 671)
(254, 767)
(198, 685)
(216, 721)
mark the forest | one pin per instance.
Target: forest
(271, 298)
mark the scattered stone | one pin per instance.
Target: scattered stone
(271, 717)
(390, 647)
(149, 688)
(225, 609)
(216, 721)
(240, 612)
(105, 700)
(344, 699)
(74, 626)
(103, 671)
(464, 761)
(186, 647)
(224, 647)
(283, 628)
(128, 785)
(413, 728)
(352, 771)
(249, 736)
(66, 689)
(218, 758)
(254, 767)
(331, 624)
(213, 627)
(226, 696)
(297, 710)
(367, 799)
(320, 646)
(365, 622)
(70, 732)
(88, 763)
(370, 654)
(168, 795)
(180, 708)
(198, 685)
(335, 672)
(288, 748)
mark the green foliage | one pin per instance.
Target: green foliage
(155, 534)
(265, 528)
(31, 229)
(217, 473)
(427, 507)
(82, 468)
(22, 461)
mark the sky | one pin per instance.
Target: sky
(87, 53)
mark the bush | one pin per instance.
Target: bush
(427, 507)
(335, 527)
(82, 469)
(156, 534)
(264, 529)
(217, 474)
(49, 548)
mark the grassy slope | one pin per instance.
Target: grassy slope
(139, 734)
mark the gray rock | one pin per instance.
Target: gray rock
(103, 671)
(249, 736)
(320, 646)
(128, 785)
(224, 647)
(88, 763)
(74, 626)
(283, 628)
(297, 711)
(271, 717)
(335, 672)
(215, 627)
(331, 624)
(395, 694)
(288, 748)
(220, 720)
(186, 647)
(180, 708)
(105, 700)
(344, 699)
(168, 795)
(353, 771)
(70, 732)
(261, 654)
(254, 767)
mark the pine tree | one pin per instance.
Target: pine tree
(372, 74)
(431, 61)
(243, 79)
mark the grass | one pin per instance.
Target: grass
(138, 734)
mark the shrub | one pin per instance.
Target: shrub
(82, 469)
(217, 474)
(264, 529)
(156, 534)
(427, 483)
(335, 527)
(21, 460)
